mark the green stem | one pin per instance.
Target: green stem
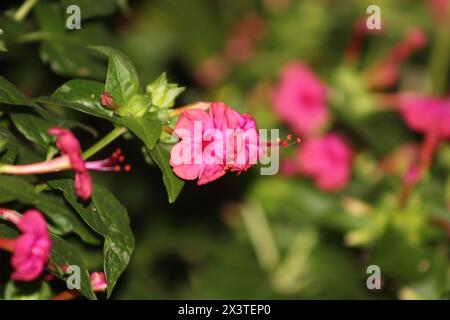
(261, 236)
(440, 61)
(32, 37)
(106, 140)
(24, 9)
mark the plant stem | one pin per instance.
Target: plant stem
(196, 105)
(106, 140)
(23, 10)
(261, 236)
(440, 61)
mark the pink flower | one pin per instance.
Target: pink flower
(71, 159)
(214, 142)
(299, 99)
(430, 116)
(327, 160)
(425, 114)
(31, 248)
(98, 281)
(68, 145)
(386, 72)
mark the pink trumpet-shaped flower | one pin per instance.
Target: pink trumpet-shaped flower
(214, 142)
(98, 281)
(425, 114)
(70, 159)
(430, 116)
(386, 72)
(31, 248)
(299, 99)
(68, 145)
(327, 160)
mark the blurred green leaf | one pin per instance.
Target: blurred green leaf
(66, 50)
(9, 94)
(7, 231)
(106, 215)
(34, 290)
(91, 9)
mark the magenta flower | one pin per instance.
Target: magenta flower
(214, 142)
(426, 114)
(98, 281)
(386, 72)
(327, 160)
(70, 159)
(430, 116)
(299, 99)
(31, 248)
(68, 145)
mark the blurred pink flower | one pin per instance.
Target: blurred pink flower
(424, 114)
(98, 281)
(214, 142)
(430, 116)
(299, 99)
(385, 72)
(440, 9)
(31, 248)
(245, 34)
(327, 160)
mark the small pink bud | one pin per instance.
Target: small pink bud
(107, 100)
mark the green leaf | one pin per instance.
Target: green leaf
(106, 215)
(8, 147)
(122, 80)
(66, 50)
(163, 93)
(84, 95)
(90, 9)
(33, 127)
(173, 184)
(34, 290)
(65, 220)
(7, 231)
(63, 254)
(9, 94)
(147, 127)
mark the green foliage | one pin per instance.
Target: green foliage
(241, 237)
(106, 216)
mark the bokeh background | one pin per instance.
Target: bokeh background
(253, 236)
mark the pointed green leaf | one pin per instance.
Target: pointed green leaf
(173, 184)
(33, 127)
(9, 94)
(66, 50)
(63, 254)
(122, 80)
(147, 128)
(106, 215)
(84, 95)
